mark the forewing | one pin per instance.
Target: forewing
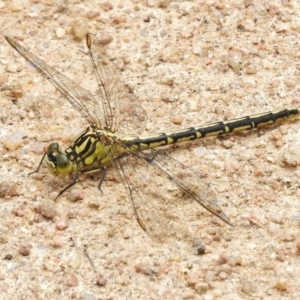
(119, 106)
(82, 100)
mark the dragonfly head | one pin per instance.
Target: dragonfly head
(57, 161)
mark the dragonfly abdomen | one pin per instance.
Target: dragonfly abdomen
(215, 129)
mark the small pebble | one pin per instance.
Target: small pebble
(107, 6)
(281, 27)
(7, 257)
(258, 172)
(209, 276)
(242, 261)
(177, 120)
(223, 259)
(12, 68)
(25, 249)
(60, 32)
(248, 287)
(267, 266)
(281, 285)
(75, 262)
(273, 228)
(187, 33)
(197, 48)
(104, 39)
(94, 203)
(19, 212)
(16, 6)
(187, 296)
(223, 276)
(79, 28)
(61, 224)
(38, 218)
(277, 218)
(119, 19)
(71, 280)
(167, 80)
(276, 135)
(251, 69)
(47, 209)
(236, 63)
(39, 148)
(290, 155)
(75, 195)
(281, 255)
(145, 268)
(199, 151)
(15, 140)
(227, 144)
(101, 281)
(111, 232)
(201, 287)
(288, 235)
(15, 93)
(8, 189)
(87, 296)
(153, 3)
(52, 264)
(57, 241)
(92, 15)
(3, 238)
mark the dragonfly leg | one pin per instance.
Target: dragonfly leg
(150, 158)
(102, 176)
(39, 166)
(75, 180)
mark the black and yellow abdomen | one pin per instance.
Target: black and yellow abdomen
(215, 129)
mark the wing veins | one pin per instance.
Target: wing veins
(60, 82)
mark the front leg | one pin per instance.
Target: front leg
(75, 180)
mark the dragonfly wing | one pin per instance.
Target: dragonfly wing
(120, 107)
(188, 181)
(82, 100)
(161, 189)
(153, 205)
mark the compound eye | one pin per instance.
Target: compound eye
(63, 163)
(53, 147)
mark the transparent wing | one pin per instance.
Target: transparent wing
(159, 188)
(115, 106)
(119, 106)
(82, 100)
(154, 209)
(189, 182)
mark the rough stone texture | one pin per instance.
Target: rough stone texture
(189, 63)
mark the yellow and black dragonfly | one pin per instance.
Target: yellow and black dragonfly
(111, 140)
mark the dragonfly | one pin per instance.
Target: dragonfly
(112, 140)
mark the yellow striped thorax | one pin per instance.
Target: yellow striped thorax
(91, 150)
